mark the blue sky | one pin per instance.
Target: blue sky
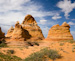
(46, 12)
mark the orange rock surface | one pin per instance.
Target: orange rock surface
(27, 30)
(18, 34)
(10, 31)
(31, 26)
(1, 34)
(58, 33)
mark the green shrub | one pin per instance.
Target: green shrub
(61, 44)
(36, 43)
(2, 43)
(73, 45)
(43, 55)
(10, 51)
(32, 43)
(4, 57)
(70, 41)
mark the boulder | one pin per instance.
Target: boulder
(58, 33)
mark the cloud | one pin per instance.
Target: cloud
(71, 23)
(72, 19)
(14, 10)
(43, 21)
(55, 17)
(8, 5)
(66, 6)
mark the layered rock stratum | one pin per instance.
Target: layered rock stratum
(2, 35)
(28, 30)
(58, 33)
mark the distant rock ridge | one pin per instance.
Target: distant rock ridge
(2, 35)
(58, 33)
(28, 30)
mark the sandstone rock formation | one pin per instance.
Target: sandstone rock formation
(28, 30)
(58, 33)
(29, 20)
(2, 35)
(18, 33)
(31, 26)
(10, 31)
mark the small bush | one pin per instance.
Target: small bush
(73, 45)
(36, 43)
(29, 43)
(43, 55)
(61, 44)
(2, 43)
(73, 50)
(10, 51)
(32, 43)
(71, 41)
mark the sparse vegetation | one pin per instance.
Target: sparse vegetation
(2, 43)
(10, 51)
(4, 57)
(26, 47)
(73, 49)
(61, 44)
(70, 41)
(43, 55)
(33, 43)
(73, 45)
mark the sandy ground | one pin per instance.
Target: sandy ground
(64, 48)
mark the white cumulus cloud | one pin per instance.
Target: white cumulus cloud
(57, 16)
(66, 6)
(15, 10)
(43, 21)
(71, 23)
(72, 19)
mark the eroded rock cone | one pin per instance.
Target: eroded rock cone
(29, 20)
(29, 30)
(58, 33)
(31, 26)
(18, 33)
(10, 31)
(2, 35)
